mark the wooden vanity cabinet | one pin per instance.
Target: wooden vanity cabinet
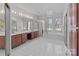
(18, 39)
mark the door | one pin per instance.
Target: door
(78, 28)
(72, 28)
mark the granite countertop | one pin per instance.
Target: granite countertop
(3, 33)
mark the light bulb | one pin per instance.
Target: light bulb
(15, 12)
(12, 11)
(2, 12)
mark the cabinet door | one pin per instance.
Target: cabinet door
(2, 42)
(18, 39)
(24, 37)
(33, 35)
(14, 42)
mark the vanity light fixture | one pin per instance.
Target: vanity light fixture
(15, 12)
(13, 18)
(2, 12)
(28, 17)
(12, 11)
(23, 14)
(20, 14)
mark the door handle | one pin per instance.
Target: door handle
(74, 28)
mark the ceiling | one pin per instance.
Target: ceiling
(43, 9)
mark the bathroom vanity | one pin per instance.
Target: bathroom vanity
(18, 38)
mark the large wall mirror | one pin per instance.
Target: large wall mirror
(25, 24)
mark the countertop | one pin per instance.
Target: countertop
(3, 33)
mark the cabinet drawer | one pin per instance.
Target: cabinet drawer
(16, 40)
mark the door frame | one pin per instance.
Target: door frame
(7, 30)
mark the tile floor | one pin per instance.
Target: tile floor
(47, 45)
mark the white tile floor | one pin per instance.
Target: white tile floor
(2, 52)
(48, 45)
